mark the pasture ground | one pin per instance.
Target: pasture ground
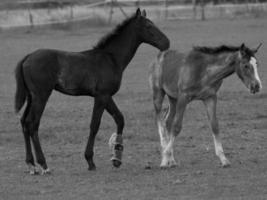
(65, 126)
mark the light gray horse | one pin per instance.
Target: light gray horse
(197, 75)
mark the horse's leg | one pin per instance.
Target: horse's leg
(116, 141)
(168, 158)
(168, 120)
(158, 97)
(32, 122)
(210, 104)
(99, 105)
(171, 113)
(26, 133)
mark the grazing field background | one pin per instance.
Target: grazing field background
(65, 126)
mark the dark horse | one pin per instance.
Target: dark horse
(197, 75)
(96, 72)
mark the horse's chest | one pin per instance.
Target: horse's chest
(108, 83)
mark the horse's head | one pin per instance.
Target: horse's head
(247, 70)
(149, 33)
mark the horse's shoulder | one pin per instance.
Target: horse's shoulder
(195, 59)
(172, 60)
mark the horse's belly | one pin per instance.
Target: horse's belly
(74, 91)
(76, 84)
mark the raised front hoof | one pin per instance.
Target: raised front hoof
(116, 163)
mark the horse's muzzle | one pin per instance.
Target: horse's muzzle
(166, 45)
(254, 88)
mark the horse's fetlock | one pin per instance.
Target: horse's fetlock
(42, 162)
(29, 161)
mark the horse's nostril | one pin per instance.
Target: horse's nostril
(255, 88)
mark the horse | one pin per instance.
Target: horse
(196, 75)
(96, 72)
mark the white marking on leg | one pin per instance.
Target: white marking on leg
(167, 155)
(253, 62)
(45, 171)
(32, 169)
(164, 138)
(219, 151)
(112, 140)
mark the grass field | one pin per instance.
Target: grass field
(65, 126)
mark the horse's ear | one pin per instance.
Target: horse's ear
(242, 47)
(144, 13)
(256, 50)
(138, 12)
(242, 50)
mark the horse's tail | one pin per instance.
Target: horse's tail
(21, 90)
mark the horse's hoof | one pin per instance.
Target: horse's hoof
(33, 170)
(169, 164)
(45, 171)
(163, 167)
(173, 165)
(92, 167)
(116, 163)
(226, 165)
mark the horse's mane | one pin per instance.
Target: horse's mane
(116, 31)
(216, 50)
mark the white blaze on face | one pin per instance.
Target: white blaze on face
(253, 62)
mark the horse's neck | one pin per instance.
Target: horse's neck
(123, 47)
(224, 67)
